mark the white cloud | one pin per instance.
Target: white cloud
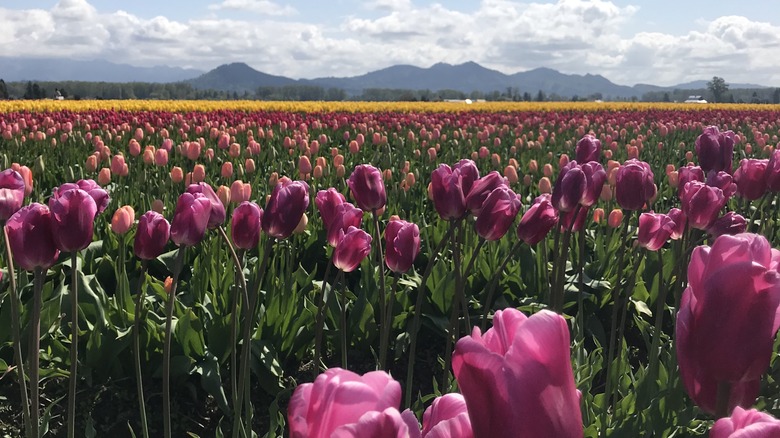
(265, 7)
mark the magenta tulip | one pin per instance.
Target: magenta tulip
(730, 223)
(498, 213)
(588, 149)
(701, 204)
(654, 230)
(449, 198)
(634, 186)
(72, 219)
(90, 186)
(447, 417)
(715, 149)
(469, 174)
(680, 223)
(686, 174)
(595, 177)
(570, 187)
(367, 187)
(218, 214)
(327, 201)
(746, 424)
(151, 236)
(285, 208)
(353, 247)
(345, 216)
(481, 189)
(575, 224)
(402, 245)
(773, 172)
(728, 318)
(11, 193)
(190, 219)
(338, 397)
(537, 221)
(385, 424)
(245, 225)
(723, 181)
(30, 237)
(750, 178)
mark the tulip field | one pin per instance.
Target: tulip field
(239, 269)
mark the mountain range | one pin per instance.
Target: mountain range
(240, 77)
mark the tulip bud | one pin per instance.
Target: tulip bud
(750, 178)
(123, 219)
(285, 208)
(498, 213)
(367, 188)
(730, 223)
(11, 193)
(715, 149)
(191, 218)
(615, 218)
(537, 221)
(634, 185)
(177, 174)
(151, 236)
(217, 211)
(31, 239)
(701, 204)
(246, 224)
(402, 245)
(654, 230)
(353, 247)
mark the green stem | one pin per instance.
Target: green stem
(343, 317)
(177, 267)
(417, 315)
(659, 320)
(623, 313)
(139, 306)
(557, 299)
(390, 303)
(453, 332)
(494, 282)
(35, 349)
(581, 299)
(382, 291)
(555, 267)
(74, 344)
(320, 322)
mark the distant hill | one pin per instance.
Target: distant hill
(238, 77)
(57, 69)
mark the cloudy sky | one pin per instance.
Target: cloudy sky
(662, 42)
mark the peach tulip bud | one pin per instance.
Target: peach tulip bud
(340, 171)
(193, 151)
(168, 284)
(240, 191)
(474, 156)
(188, 179)
(134, 147)
(210, 154)
(104, 177)
(511, 174)
(235, 150)
(92, 163)
(227, 170)
(223, 194)
(674, 179)
(432, 154)
(495, 160)
(527, 180)
(544, 185)
(387, 174)
(198, 173)
(430, 191)
(249, 166)
(748, 148)
(338, 160)
(608, 154)
(302, 224)
(689, 156)
(633, 152)
(598, 215)
(123, 219)
(117, 162)
(410, 179)
(615, 218)
(670, 168)
(606, 192)
(317, 172)
(273, 179)
(533, 166)
(304, 165)
(161, 157)
(354, 147)
(483, 152)
(547, 170)
(563, 161)
(177, 174)
(148, 156)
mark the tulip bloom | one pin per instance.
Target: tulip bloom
(481, 189)
(11, 193)
(498, 213)
(31, 239)
(634, 186)
(730, 223)
(715, 149)
(537, 221)
(190, 219)
(570, 187)
(750, 178)
(285, 207)
(367, 187)
(73, 219)
(151, 236)
(595, 177)
(327, 201)
(588, 149)
(447, 417)
(723, 181)
(654, 230)
(517, 377)
(680, 222)
(90, 186)
(245, 225)
(217, 215)
(345, 216)
(388, 423)
(402, 245)
(575, 224)
(447, 193)
(701, 204)
(727, 321)
(773, 172)
(353, 246)
(338, 397)
(123, 219)
(688, 173)
(746, 424)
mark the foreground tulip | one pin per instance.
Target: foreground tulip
(498, 213)
(190, 219)
(723, 181)
(746, 424)
(123, 219)
(654, 230)
(217, 215)
(688, 173)
(345, 216)
(245, 225)
(73, 219)
(680, 223)
(574, 220)
(701, 204)
(402, 245)
(374, 424)
(447, 417)
(773, 172)
(595, 177)
(30, 237)
(588, 149)
(339, 397)
(367, 187)
(11, 193)
(481, 189)
(517, 377)
(151, 236)
(90, 186)
(730, 223)
(284, 209)
(728, 318)
(448, 193)
(353, 246)
(569, 188)
(715, 149)
(537, 221)
(327, 201)
(635, 185)
(750, 178)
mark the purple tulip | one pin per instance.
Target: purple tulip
(481, 189)
(11, 193)
(327, 201)
(30, 237)
(151, 235)
(746, 424)
(447, 192)
(570, 187)
(715, 149)
(402, 245)
(654, 230)
(469, 173)
(634, 185)
(730, 223)
(595, 177)
(701, 204)
(345, 216)
(190, 219)
(728, 319)
(73, 219)
(517, 377)
(723, 181)
(374, 424)
(537, 221)
(773, 172)
(588, 149)
(339, 397)
(285, 208)
(498, 213)
(680, 223)
(353, 247)
(218, 215)
(750, 178)
(575, 224)
(447, 417)
(245, 225)
(90, 186)
(367, 187)
(686, 174)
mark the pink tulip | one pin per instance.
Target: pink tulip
(327, 201)
(123, 219)
(728, 318)
(634, 185)
(90, 186)
(701, 204)
(680, 223)
(730, 223)
(353, 246)
(151, 236)
(72, 219)
(339, 397)
(11, 193)
(723, 181)
(517, 377)
(217, 212)
(227, 170)
(746, 424)
(246, 224)
(750, 178)
(537, 221)
(190, 219)
(447, 417)
(386, 424)
(161, 157)
(30, 237)
(715, 149)
(240, 191)
(569, 188)
(345, 217)
(773, 172)
(285, 207)
(402, 245)
(654, 230)
(498, 213)
(450, 186)
(367, 187)
(588, 149)
(481, 189)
